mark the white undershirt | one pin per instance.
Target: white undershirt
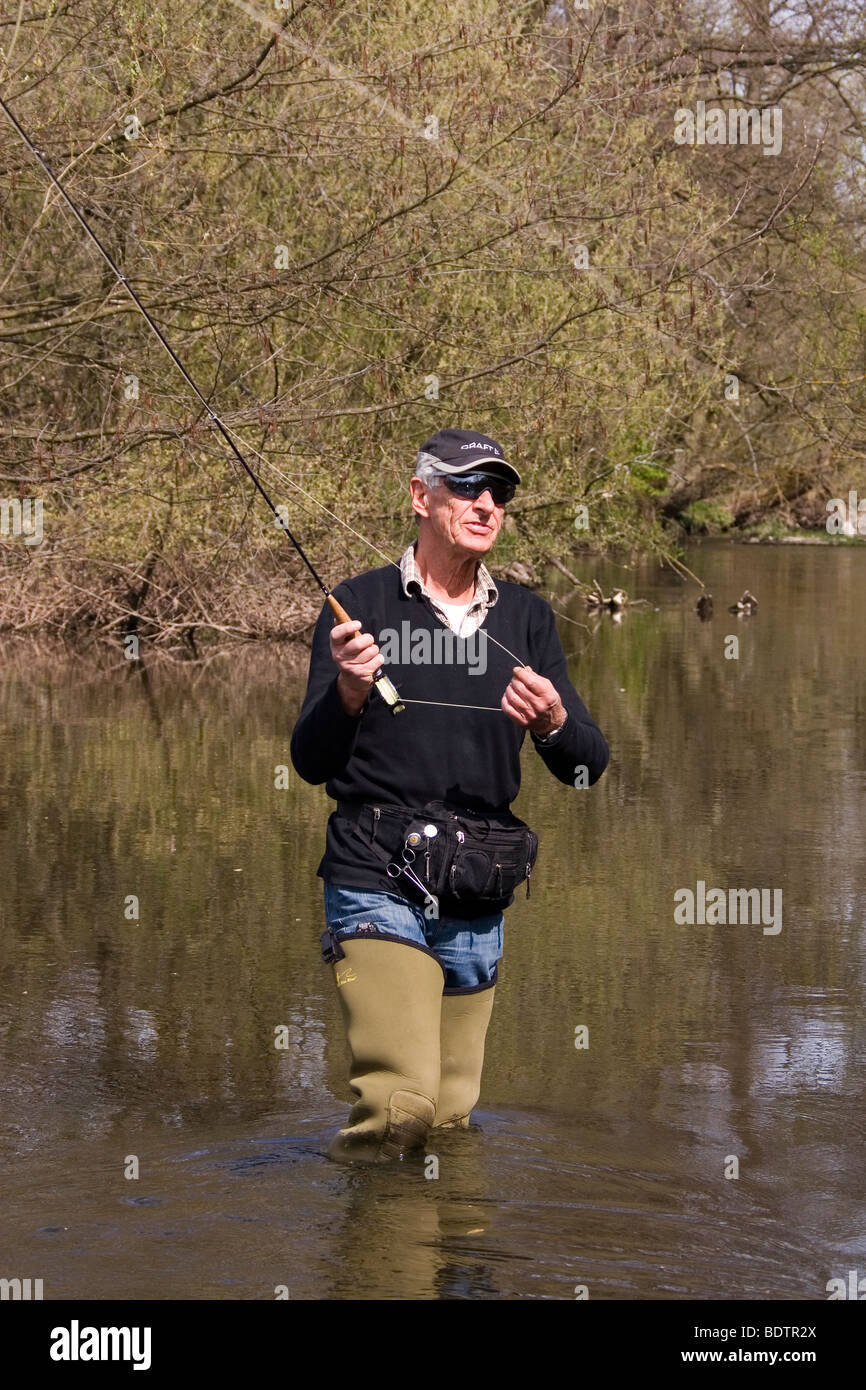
(454, 612)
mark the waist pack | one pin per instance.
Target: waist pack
(453, 862)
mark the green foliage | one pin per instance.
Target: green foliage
(429, 282)
(707, 515)
(649, 478)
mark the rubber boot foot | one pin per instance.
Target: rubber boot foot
(410, 1119)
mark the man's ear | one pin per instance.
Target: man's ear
(420, 497)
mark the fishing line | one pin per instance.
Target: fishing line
(452, 704)
(383, 684)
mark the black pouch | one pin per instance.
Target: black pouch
(470, 863)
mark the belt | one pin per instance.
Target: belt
(353, 810)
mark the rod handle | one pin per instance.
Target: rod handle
(383, 684)
(338, 610)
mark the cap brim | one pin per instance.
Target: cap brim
(474, 466)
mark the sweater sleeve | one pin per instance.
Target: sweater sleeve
(324, 735)
(579, 742)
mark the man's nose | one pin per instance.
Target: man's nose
(485, 501)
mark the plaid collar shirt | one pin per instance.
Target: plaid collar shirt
(486, 593)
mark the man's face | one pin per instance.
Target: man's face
(469, 525)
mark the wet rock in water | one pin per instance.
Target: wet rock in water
(704, 607)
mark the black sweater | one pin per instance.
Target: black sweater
(469, 758)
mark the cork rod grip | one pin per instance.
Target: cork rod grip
(384, 686)
(338, 610)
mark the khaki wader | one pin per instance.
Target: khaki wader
(416, 1053)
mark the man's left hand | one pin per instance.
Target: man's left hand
(533, 702)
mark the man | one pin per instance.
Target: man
(477, 664)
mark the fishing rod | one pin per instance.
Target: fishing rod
(383, 684)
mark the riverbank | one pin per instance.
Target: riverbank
(127, 612)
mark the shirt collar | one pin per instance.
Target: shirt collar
(486, 592)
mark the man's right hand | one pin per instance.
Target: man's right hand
(358, 658)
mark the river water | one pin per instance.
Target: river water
(708, 1141)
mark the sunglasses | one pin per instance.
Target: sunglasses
(474, 484)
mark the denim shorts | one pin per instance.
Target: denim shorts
(468, 951)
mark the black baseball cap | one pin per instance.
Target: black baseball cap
(466, 451)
